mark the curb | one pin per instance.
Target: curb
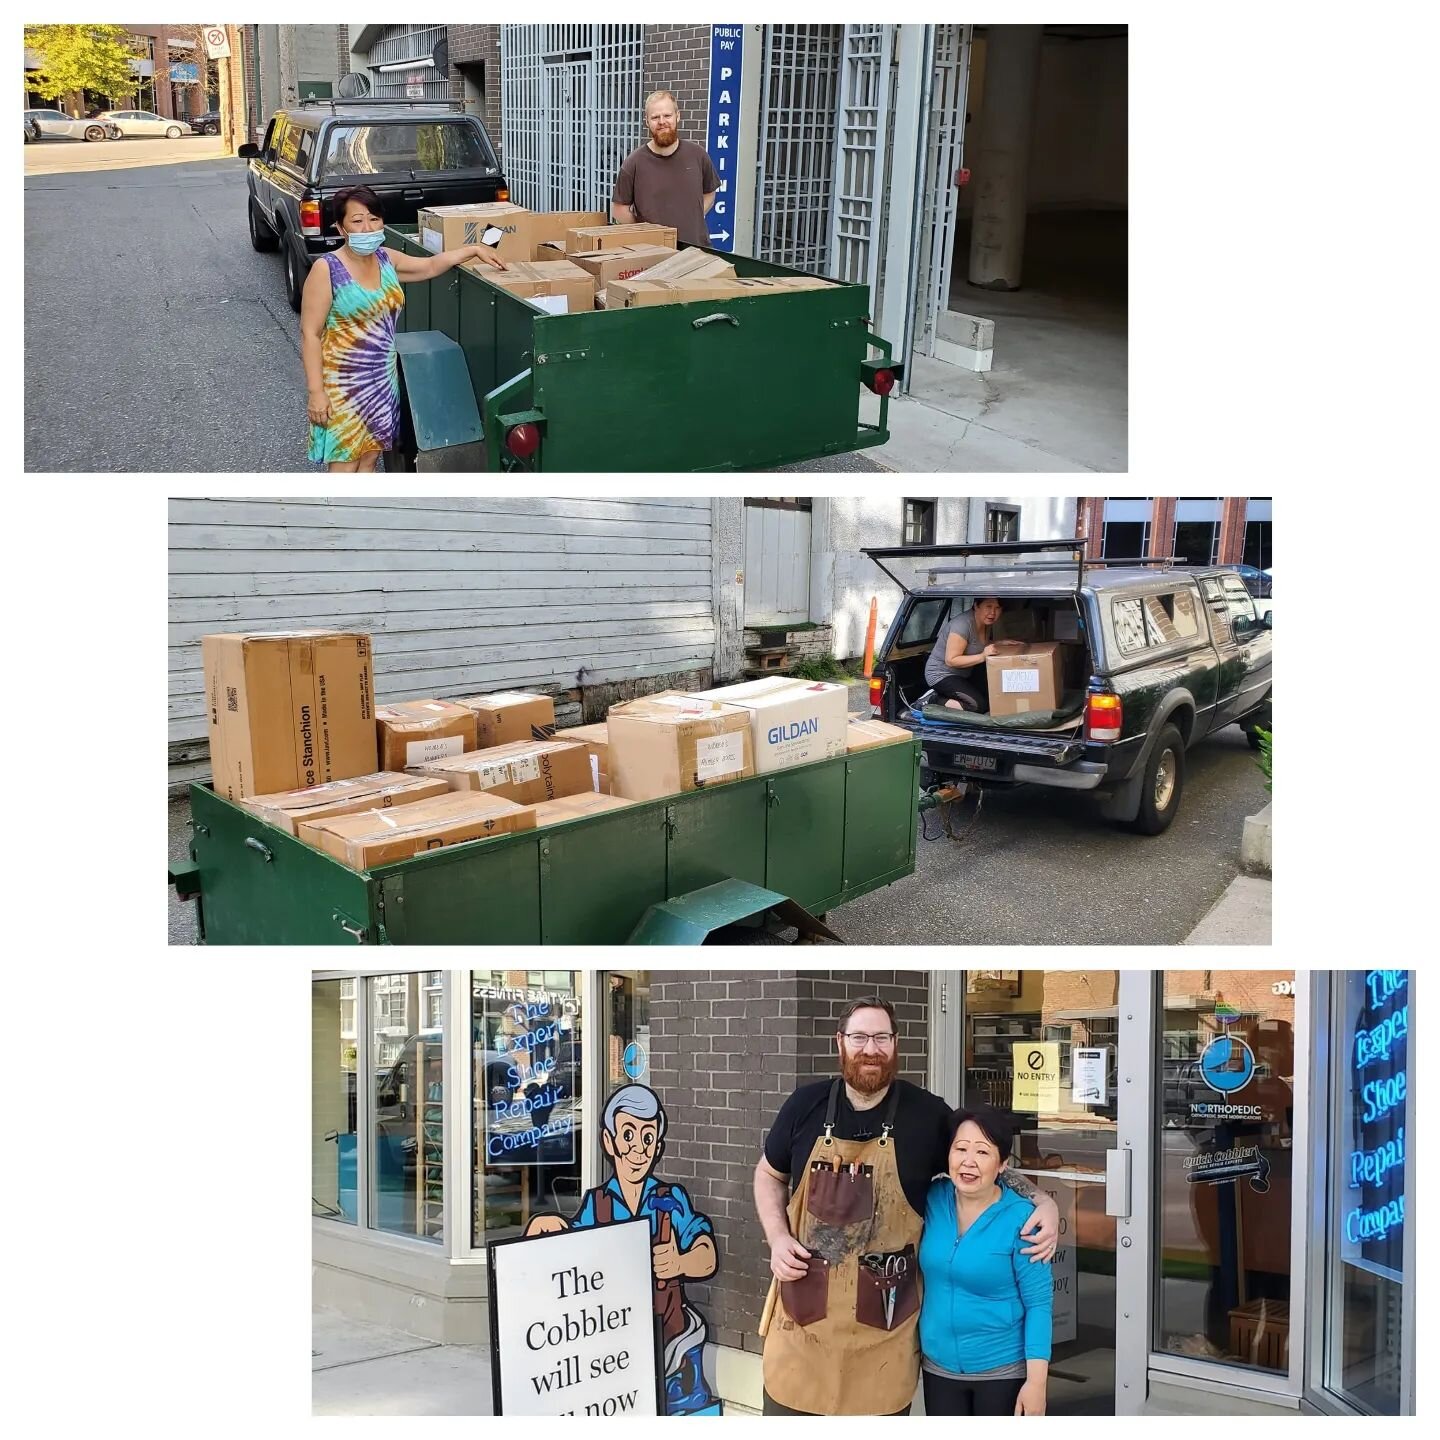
(1255, 844)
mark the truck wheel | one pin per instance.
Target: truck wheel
(1252, 739)
(1163, 783)
(262, 237)
(295, 272)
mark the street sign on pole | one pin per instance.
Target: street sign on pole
(727, 44)
(217, 42)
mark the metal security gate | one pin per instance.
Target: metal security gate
(777, 562)
(570, 111)
(944, 155)
(393, 78)
(799, 90)
(861, 152)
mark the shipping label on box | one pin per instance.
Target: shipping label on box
(413, 731)
(596, 740)
(293, 808)
(793, 722)
(288, 709)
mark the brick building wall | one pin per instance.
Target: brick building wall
(726, 1049)
(677, 58)
(476, 46)
(342, 50)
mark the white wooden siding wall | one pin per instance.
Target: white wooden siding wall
(462, 595)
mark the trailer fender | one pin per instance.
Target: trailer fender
(689, 919)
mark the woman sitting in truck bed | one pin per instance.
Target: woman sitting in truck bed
(956, 667)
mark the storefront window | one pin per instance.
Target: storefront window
(333, 1058)
(1227, 1067)
(1370, 1106)
(527, 1039)
(407, 1184)
(627, 1028)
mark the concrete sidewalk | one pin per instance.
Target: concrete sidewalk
(361, 1369)
(1241, 916)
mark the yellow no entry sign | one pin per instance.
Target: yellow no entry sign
(1037, 1075)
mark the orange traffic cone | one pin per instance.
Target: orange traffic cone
(870, 641)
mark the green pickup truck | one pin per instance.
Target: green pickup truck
(1158, 657)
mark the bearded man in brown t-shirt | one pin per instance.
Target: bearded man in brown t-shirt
(668, 181)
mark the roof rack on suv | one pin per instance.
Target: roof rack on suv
(366, 102)
(1164, 561)
(1074, 549)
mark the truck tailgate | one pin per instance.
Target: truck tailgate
(995, 752)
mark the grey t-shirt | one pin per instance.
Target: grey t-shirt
(669, 189)
(962, 624)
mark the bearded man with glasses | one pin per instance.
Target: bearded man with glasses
(840, 1189)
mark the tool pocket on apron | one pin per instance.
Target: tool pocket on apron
(841, 1197)
(887, 1292)
(808, 1300)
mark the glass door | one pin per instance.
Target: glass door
(1064, 1052)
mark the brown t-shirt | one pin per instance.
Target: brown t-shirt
(667, 189)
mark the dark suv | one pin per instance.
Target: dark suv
(1155, 658)
(413, 156)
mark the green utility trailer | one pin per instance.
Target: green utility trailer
(491, 381)
(816, 836)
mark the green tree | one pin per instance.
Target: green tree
(79, 57)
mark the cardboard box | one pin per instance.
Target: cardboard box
(413, 731)
(559, 287)
(550, 228)
(868, 734)
(627, 294)
(692, 265)
(380, 837)
(792, 722)
(288, 709)
(611, 237)
(448, 227)
(1025, 677)
(526, 772)
(596, 740)
(510, 715)
(603, 266)
(667, 744)
(290, 809)
(576, 807)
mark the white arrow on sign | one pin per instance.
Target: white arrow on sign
(723, 235)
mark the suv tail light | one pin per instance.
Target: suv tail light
(502, 193)
(1104, 716)
(877, 693)
(309, 217)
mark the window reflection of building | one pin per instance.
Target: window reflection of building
(1224, 1163)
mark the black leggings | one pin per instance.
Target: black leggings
(974, 692)
(970, 1397)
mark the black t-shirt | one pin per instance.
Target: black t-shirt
(921, 1133)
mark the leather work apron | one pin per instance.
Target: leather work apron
(668, 1302)
(844, 1340)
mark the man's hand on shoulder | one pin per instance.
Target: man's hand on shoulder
(1043, 1230)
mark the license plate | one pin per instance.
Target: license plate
(976, 762)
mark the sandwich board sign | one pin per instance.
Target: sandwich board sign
(572, 1325)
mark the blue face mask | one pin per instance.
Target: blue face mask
(367, 242)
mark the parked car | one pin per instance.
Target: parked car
(57, 125)
(1165, 657)
(206, 124)
(412, 155)
(146, 122)
(1256, 581)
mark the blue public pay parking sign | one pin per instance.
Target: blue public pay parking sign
(727, 46)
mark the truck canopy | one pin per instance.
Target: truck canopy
(1000, 567)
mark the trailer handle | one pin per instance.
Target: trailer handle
(263, 850)
(711, 319)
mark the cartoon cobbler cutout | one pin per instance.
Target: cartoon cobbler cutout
(682, 1240)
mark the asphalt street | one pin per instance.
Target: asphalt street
(155, 337)
(1036, 868)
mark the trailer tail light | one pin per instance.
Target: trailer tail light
(502, 193)
(1104, 716)
(882, 382)
(877, 693)
(522, 441)
(309, 217)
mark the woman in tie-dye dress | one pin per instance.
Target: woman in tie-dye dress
(348, 309)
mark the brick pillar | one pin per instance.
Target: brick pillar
(1231, 549)
(677, 58)
(1162, 526)
(342, 50)
(1090, 524)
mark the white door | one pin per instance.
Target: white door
(777, 562)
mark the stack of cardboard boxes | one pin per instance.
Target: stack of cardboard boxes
(572, 261)
(297, 739)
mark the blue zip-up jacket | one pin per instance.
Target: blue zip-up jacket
(985, 1304)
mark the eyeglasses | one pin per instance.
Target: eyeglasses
(860, 1040)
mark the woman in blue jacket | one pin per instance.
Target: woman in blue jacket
(985, 1315)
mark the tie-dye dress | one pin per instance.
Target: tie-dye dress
(357, 363)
